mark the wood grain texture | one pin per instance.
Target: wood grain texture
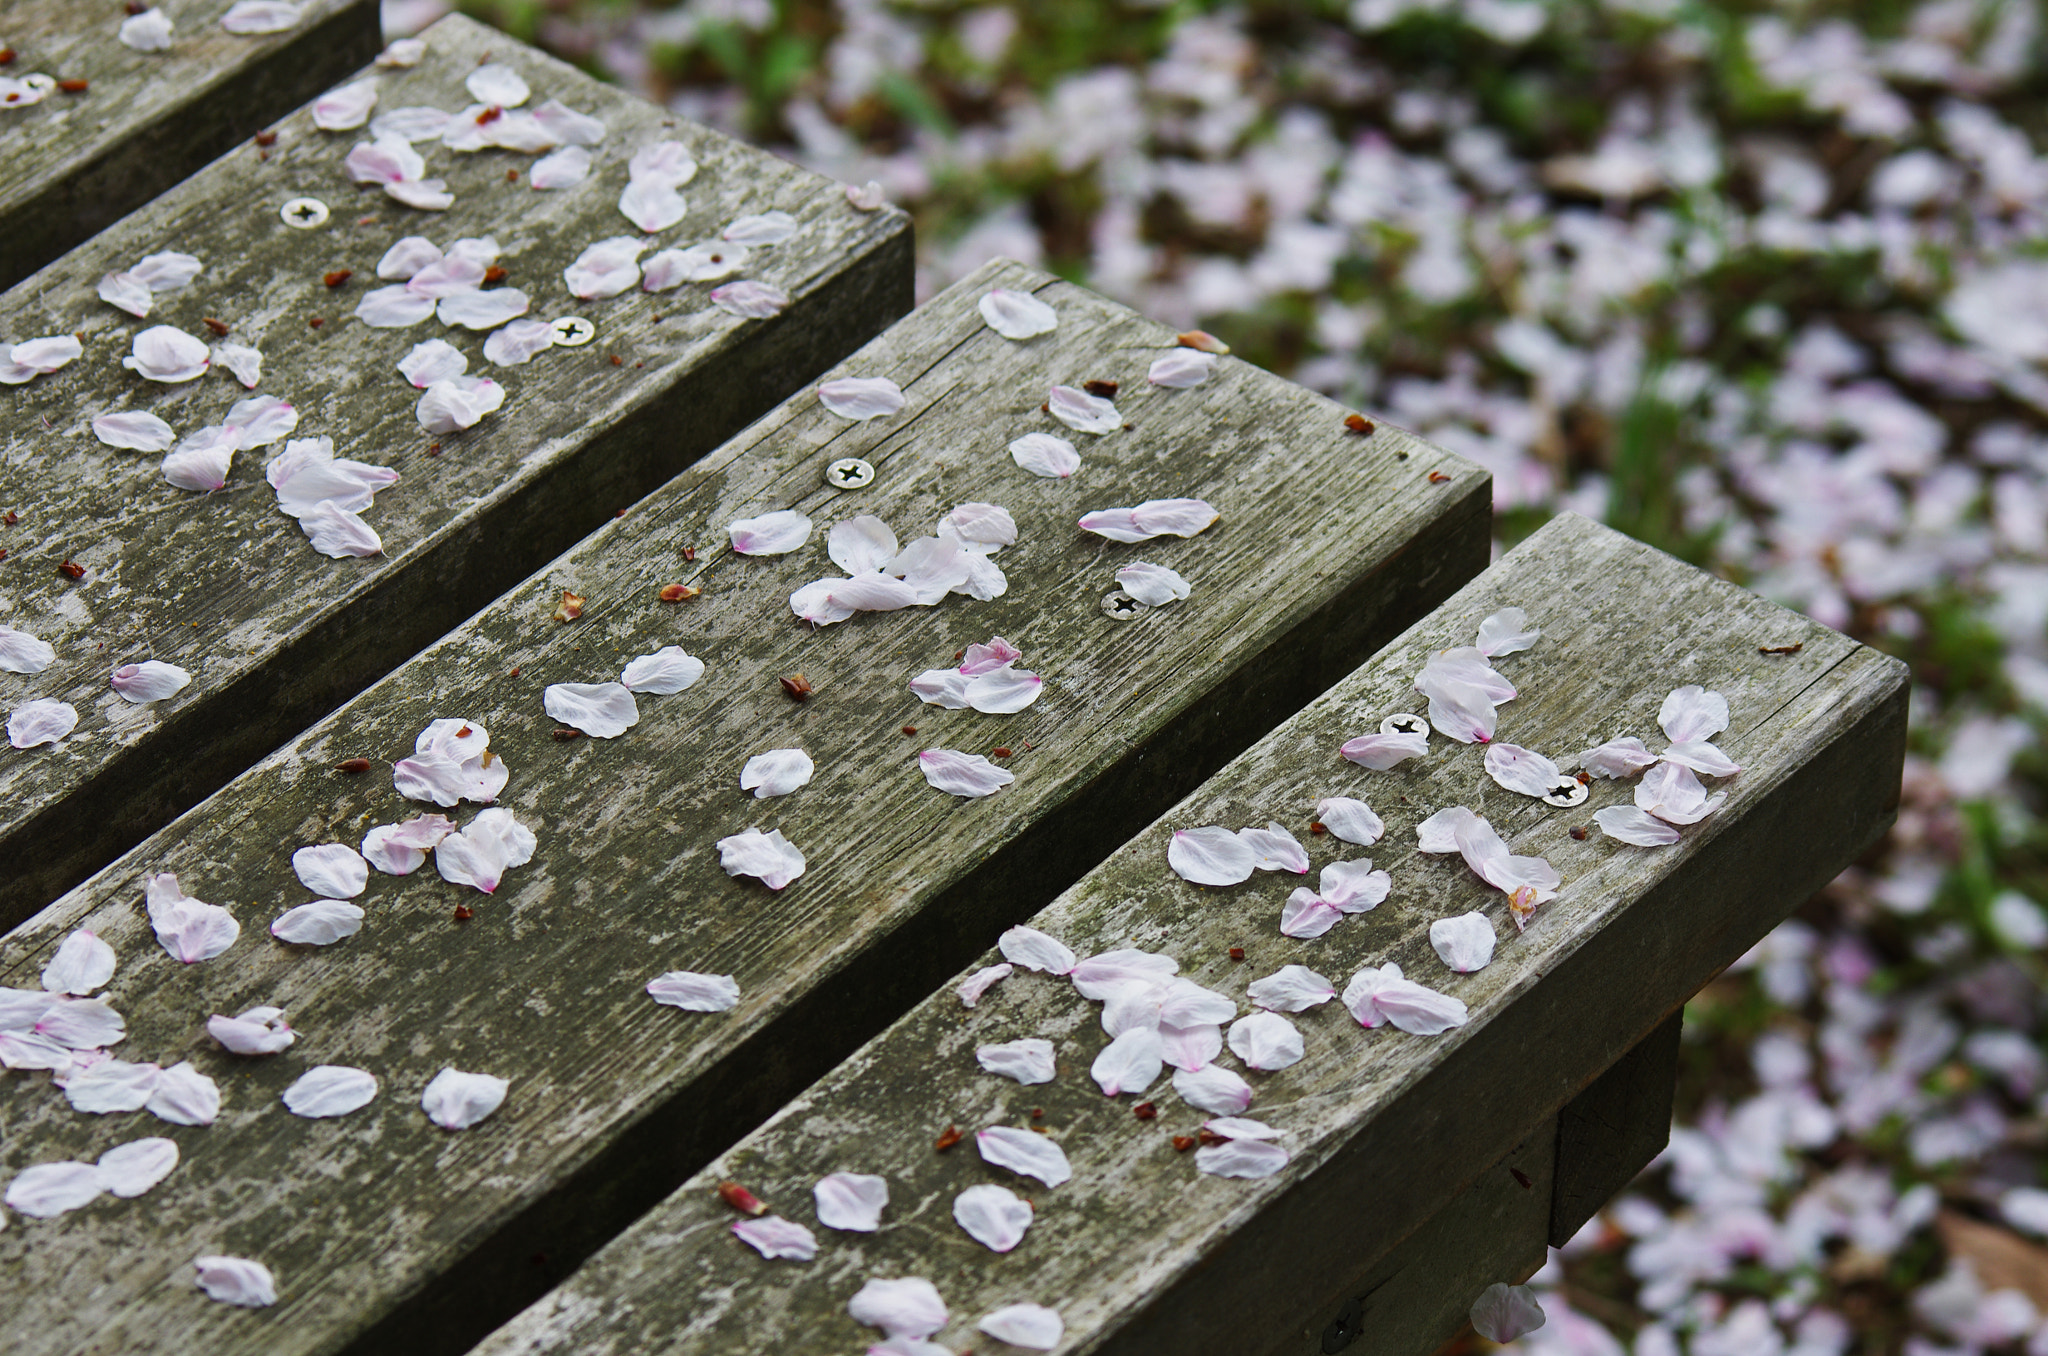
(74, 164)
(224, 584)
(1139, 1252)
(387, 1234)
(1610, 1132)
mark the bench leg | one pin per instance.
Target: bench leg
(1610, 1131)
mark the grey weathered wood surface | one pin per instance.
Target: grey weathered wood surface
(1139, 1252)
(388, 1234)
(1610, 1132)
(74, 164)
(224, 584)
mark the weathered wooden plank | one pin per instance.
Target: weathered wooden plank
(1610, 1132)
(77, 161)
(1139, 1252)
(227, 586)
(383, 1230)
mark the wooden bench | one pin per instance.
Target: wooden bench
(385, 1232)
(81, 158)
(228, 587)
(1422, 1167)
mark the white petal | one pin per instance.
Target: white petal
(1174, 517)
(243, 363)
(320, 923)
(776, 772)
(166, 354)
(200, 463)
(852, 1201)
(1025, 1152)
(605, 269)
(1152, 584)
(79, 1023)
(1382, 751)
(166, 271)
(519, 342)
(39, 722)
(662, 162)
(762, 228)
(406, 258)
(1248, 1158)
(771, 534)
(47, 1190)
(1631, 824)
(393, 308)
(1439, 832)
(112, 1087)
(750, 300)
(184, 1096)
(455, 1100)
(1182, 368)
(909, 1307)
(497, 84)
(481, 853)
(1703, 758)
(1266, 1040)
(1505, 1312)
(768, 857)
(1211, 856)
(777, 1238)
(21, 652)
(569, 127)
(1213, 1089)
(665, 672)
(82, 963)
(1034, 950)
(564, 168)
(694, 992)
(149, 31)
(601, 710)
(247, 18)
(457, 403)
(1044, 455)
(346, 108)
(860, 545)
(399, 849)
(1291, 988)
(1082, 412)
(190, 930)
(337, 533)
(1003, 692)
(995, 1217)
(415, 123)
(1691, 712)
(867, 197)
(1275, 849)
(1485, 852)
(1029, 1060)
(482, 310)
(1672, 792)
(942, 687)
(1017, 315)
(869, 592)
(707, 262)
(1506, 632)
(1383, 995)
(135, 430)
(307, 474)
(1617, 758)
(1032, 1326)
(1351, 820)
(1130, 1063)
(259, 1031)
(652, 205)
(981, 981)
(1464, 943)
(979, 527)
(435, 360)
(1307, 915)
(128, 1170)
(404, 52)
(330, 1090)
(1521, 770)
(859, 398)
(237, 1280)
(332, 870)
(962, 774)
(126, 292)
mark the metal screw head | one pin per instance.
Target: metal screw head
(849, 473)
(1567, 791)
(1121, 606)
(572, 331)
(304, 213)
(1403, 723)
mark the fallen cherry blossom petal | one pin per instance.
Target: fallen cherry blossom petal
(1022, 1151)
(861, 398)
(112, 1087)
(1631, 824)
(1464, 943)
(135, 430)
(1029, 1060)
(130, 1170)
(601, 710)
(307, 474)
(1506, 632)
(776, 772)
(1266, 1041)
(981, 981)
(993, 1216)
(1487, 854)
(978, 527)
(393, 308)
(166, 271)
(1182, 368)
(39, 722)
(1044, 455)
(1017, 315)
(247, 18)
(652, 206)
(1241, 1127)
(1275, 849)
(482, 310)
(564, 168)
(1082, 412)
(482, 852)
(861, 545)
(346, 108)
(1439, 832)
(26, 1050)
(768, 857)
(909, 1307)
(48, 1190)
(1351, 820)
(184, 1096)
(1154, 585)
(320, 923)
(455, 1100)
(1691, 712)
(1307, 915)
(777, 1239)
(332, 870)
(693, 992)
(21, 652)
(1213, 1089)
(405, 259)
(1673, 793)
(404, 52)
(750, 300)
(667, 671)
(201, 461)
(190, 930)
(963, 774)
(1032, 1326)
(82, 962)
(338, 534)
(1190, 1047)
(237, 1280)
(241, 362)
(330, 1090)
(867, 197)
(457, 403)
(1291, 988)
(259, 1031)
(1130, 1063)
(1004, 691)
(605, 269)
(149, 31)
(415, 123)
(1520, 770)
(851, 1201)
(1617, 758)
(79, 1023)
(1034, 950)
(166, 354)
(497, 84)
(707, 262)
(1244, 1158)
(760, 228)
(452, 761)
(126, 292)
(665, 162)
(771, 534)
(435, 360)
(869, 592)
(519, 342)
(1504, 1312)
(1702, 757)
(400, 849)
(1211, 856)
(1376, 997)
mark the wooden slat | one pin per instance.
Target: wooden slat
(225, 585)
(1139, 1252)
(73, 164)
(384, 1230)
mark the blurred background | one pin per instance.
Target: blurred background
(1765, 285)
